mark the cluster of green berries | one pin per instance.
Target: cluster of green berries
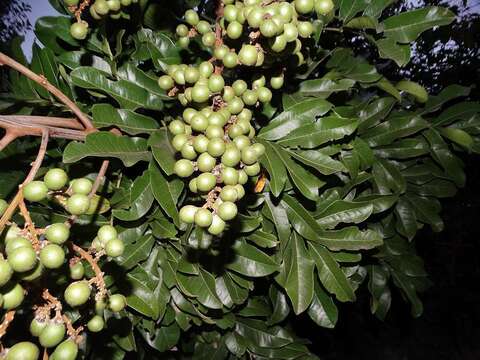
(55, 181)
(107, 240)
(98, 10)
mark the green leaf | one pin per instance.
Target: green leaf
(406, 219)
(202, 287)
(324, 130)
(105, 115)
(413, 88)
(260, 335)
(341, 211)
(250, 261)
(381, 295)
(166, 192)
(140, 297)
(375, 111)
(128, 94)
(129, 150)
(301, 220)
(279, 216)
(362, 22)
(299, 269)
(294, 117)
(49, 29)
(158, 47)
(330, 274)
(349, 238)
(323, 88)
(141, 199)
(281, 307)
(404, 149)
(388, 177)
(427, 211)
(162, 150)
(349, 8)
(394, 128)
(263, 239)
(319, 161)
(407, 26)
(133, 74)
(449, 93)
(323, 310)
(389, 49)
(273, 164)
(136, 252)
(408, 288)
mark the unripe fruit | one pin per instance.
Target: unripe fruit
(183, 168)
(235, 131)
(114, 5)
(252, 170)
(305, 29)
(55, 179)
(248, 55)
(96, 324)
(179, 77)
(199, 122)
(100, 306)
(235, 106)
(239, 87)
(234, 30)
(57, 233)
(52, 256)
(217, 119)
(177, 127)
(178, 141)
(230, 60)
(166, 82)
(117, 302)
(240, 191)
(22, 259)
(216, 83)
(279, 43)
(79, 30)
(209, 39)
(249, 155)
(203, 27)
(245, 115)
(206, 182)
(182, 30)
(200, 93)
(227, 210)
(81, 186)
(188, 152)
(200, 143)
(192, 185)
(229, 193)
(228, 93)
(78, 204)
(216, 147)
(206, 162)
(77, 293)
(259, 149)
(250, 97)
(231, 157)
(203, 218)
(6, 272)
(77, 271)
(304, 6)
(242, 177)
(187, 214)
(16, 243)
(3, 206)
(230, 12)
(290, 31)
(191, 17)
(217, 226)
(114, 248)
(264, 94)
(12, 296)
(66, 350)
(324, 7)
(23, 351)
(192, 75)
(241, 142)
(33, 274)
(101, 7)
(255, 17)
(52, 335)
(276, 82)
(37, 326)
(126, 2)
(206, 69)
(214, 131)
(220, 52)
(35, 191)
(269, 28)
(229, 176)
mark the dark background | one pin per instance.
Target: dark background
(450, 326)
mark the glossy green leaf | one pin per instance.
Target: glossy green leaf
(166, 192)
(275, 168)
(105, 115)
(135, 252)
(250, 261)
(323, 88)
(319, 161)
(388, 48)
(394, 128)
(344, 212)
(140, 200)
(202, 287)
(323, 310)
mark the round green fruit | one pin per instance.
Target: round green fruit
(6, 272)
(200, 143)
(216, 83)
(231, 157)
(324, 7)
(77, 293)
(114, 5)
(106, 233)
(182, 30)
(200, 93)
(79, 30)
(166, 82)
(96, 324)
(101, 7)
(216, 147)
(55, 179)
(203, 218)
(178, 141)
(22, 259)
(52, 335)
(183, 168)
(35, 191)
(24, 350)
(117, 302)
(77, 271)
(229, 176)
(252, 170)
(234, 30)
(249, 155)
(33, 274)
(217, 226)
(16, 243)
(188, 152)
(66, 350)
(304, 6)
(248, 55)
(81, 186)
(78, 204)
(230, 60)
(206, 182)
(3, 206)
(52, 256)
(13, 296)
(229, 193)
(206, 162)
(227, 210)
(57, 233)
(114, 248)
(37, 326)
(187, 214)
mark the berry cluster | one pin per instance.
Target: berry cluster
(215, 134)
(98, 10)
(30, 254)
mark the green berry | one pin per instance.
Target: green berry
(227, 210)
(96, 324)
(81, 186)
(35, 191)
(114, 5)
(114, 248)
(200, 93)
(216, 147)
(23, 351)
(16, 243)
(304, 6)
(199, 122)
(239, 87)
(200, 143)
(101, 7)
(252, 170)
(52, 335)
(166, 82)
(305, 29)
(231, 157)
(177, 127)
(78, 204)
(66, 350)
(183, 168)
(248, 55)
(203, 218)
(37, 326)
(217, 226)
(57, 233)
(52, 256)
(249, 155)
(178, 141)
(216, 83)
(229, 176)
(230, 60)
(206, 162)
(77, 293)
(117, 302)
(55, 179)
(324, 7)
(22, 259)
(206, 182)
(229, 193)
(79, 30)
(13, 296)
(203, 27)
(187, 214)
(209, 39)
(206, 69)
(77, 271)
(234, 30)
(6, 272)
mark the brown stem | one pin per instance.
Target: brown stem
(7, 139)
(7, 319)
(30, 225)
(41, 80)
(45, 120)
(98, 279)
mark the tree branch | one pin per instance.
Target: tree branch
(41, 80)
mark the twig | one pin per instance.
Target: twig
(44, 120)
(30, 225)
(41, 80)
(98, 279)
(7, 319)
(31, 175)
